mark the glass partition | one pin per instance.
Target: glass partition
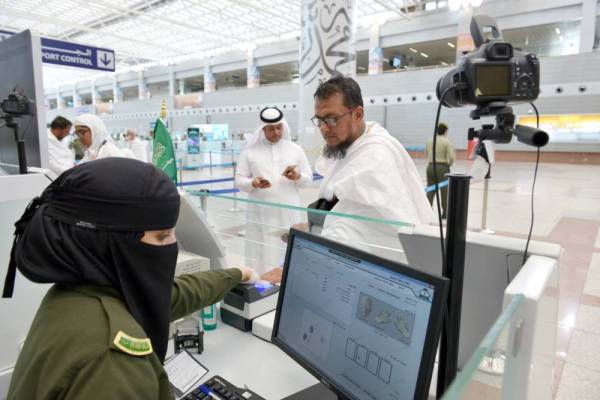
(254, 232)
(518, 356)
(483, 375)
(522, 339)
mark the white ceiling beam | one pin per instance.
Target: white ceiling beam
(259, 6)
(393, 9)
(163, 20)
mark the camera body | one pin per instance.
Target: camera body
(493, 72)
(16, 105)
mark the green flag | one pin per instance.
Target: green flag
(163, 155)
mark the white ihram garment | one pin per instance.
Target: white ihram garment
(60, 157)
(266, 224)
(139, 149)
(377, 179)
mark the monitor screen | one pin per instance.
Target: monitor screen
(492, 80)
(367, 326)
(215, 132)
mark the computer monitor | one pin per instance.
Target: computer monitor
(366, 327)
(195, 235)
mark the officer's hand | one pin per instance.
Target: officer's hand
(301, 226)
(248, 274)
(273, 276)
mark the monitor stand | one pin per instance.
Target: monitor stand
(318, 391)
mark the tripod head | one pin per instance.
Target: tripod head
(504, 129)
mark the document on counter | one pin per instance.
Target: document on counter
(184, 372)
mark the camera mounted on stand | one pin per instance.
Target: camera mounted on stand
(16, 105)
(490, 77)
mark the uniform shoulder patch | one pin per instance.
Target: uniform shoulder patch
(131, 345)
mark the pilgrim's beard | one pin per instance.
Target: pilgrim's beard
(337, 152)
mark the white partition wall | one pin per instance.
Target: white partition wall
(531, 342)
(16, 314)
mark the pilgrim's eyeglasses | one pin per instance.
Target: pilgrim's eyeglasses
(330, 121)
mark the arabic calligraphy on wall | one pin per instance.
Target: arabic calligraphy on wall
(327, 46)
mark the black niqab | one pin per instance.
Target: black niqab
(85, 229)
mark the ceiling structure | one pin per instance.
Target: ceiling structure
(149, 32)
(168, 31)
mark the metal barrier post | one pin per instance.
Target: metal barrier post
(235, 207)
(203, 200)
(484, 207)
(180, 170)
(210, 162)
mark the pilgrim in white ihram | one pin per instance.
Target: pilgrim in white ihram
(377, 179)
(60, 157)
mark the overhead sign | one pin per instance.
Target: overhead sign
(77, 55)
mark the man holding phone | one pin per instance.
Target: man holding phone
(272, 169)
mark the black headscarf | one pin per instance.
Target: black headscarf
(85, 229)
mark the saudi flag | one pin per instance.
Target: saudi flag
(163, 155)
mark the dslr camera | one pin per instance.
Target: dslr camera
(490, 77)
(17, 105)
(494, 71)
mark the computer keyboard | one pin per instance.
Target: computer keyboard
(217, 387)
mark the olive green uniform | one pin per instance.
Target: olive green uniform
(85, 344)
(444, 158)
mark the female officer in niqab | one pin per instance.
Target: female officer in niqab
(103, 234)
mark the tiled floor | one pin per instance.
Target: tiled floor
(567, 212)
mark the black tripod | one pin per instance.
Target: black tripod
(10, 123)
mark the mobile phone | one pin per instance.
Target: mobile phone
(289, 169)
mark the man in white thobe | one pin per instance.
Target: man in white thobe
(60, 157)
(271, 168)
(94, 136)
(367, 173)
(137, 146)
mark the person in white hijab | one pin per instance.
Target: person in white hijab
(94, 136)
(271, 168)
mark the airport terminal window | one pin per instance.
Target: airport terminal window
(68, 101)
(106, 96)
(557, 39)
(279, 73)
(193, 84)
(86, 98)
(159, 88)
(231, 79)
(52, 104)
(440, 52)
(130, 93)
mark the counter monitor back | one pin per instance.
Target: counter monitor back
(21, 70)
(366, 327)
